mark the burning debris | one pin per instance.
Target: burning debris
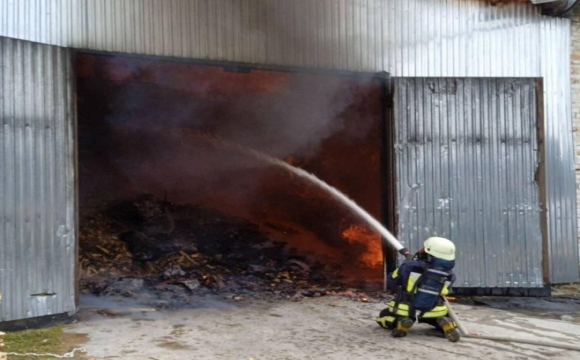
(150, 248)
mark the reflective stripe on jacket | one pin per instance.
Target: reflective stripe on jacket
(405, 278)
(411, 270)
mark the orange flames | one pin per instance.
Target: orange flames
(356, 234)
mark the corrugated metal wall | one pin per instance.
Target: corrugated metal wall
(466, 154)
(410, 38)
(406, 37)
(37, 217)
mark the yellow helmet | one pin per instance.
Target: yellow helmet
(440, 248)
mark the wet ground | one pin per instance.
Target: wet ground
(314, 328)
(561, 306)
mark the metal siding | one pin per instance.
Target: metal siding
(409, 38)
(466, 154)
(37, 225)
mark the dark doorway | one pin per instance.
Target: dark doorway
(160, 138)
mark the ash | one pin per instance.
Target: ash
(166, 255)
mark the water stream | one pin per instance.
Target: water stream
(338, 195)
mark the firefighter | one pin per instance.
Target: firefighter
(419, 284)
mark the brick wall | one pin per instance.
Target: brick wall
(575, 79)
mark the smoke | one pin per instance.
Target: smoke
(279, 113)
(145, 103)
(295, 123)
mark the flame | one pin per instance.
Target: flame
(359, 234)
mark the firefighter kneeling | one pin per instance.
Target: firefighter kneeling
(419, 284)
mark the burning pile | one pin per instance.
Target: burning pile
(147, 247)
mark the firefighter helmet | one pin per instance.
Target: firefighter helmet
(440, 248)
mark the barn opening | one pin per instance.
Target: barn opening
(178, 192)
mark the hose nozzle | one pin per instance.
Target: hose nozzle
(405, 252)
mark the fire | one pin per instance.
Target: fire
(361, 235)
(255, 109)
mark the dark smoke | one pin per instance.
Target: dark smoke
(136, 117)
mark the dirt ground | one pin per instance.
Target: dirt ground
(314, 328)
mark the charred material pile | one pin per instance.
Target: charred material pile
(152, 249)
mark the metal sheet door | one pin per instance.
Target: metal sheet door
(466, 153)
(37, 192)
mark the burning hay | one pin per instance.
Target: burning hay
(153, 249)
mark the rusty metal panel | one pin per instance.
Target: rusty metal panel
(37, 217)
(467, 155)
(407, 38)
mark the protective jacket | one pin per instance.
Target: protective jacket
(419, 284)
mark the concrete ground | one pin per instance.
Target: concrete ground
(314, 328)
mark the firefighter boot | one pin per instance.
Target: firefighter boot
(449, 329)
(403, 326)
(386, 320)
